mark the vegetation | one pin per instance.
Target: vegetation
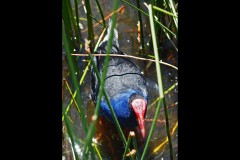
(163, 20)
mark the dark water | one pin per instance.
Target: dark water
(108, 141)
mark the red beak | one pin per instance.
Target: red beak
(139, 107)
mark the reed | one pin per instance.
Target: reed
(73, 43)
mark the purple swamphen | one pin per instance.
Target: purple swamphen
(124, 84)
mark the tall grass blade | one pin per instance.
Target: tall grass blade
(67, 23)
(78, 33)
(98, 153)
(166, 92)
(159, 78)
(105, 94)
(168, 128)
(151, 130)
(172, 9)
(90, 25)
(105, 65)
(74, 78)
(127, 146)
(67, 20)
(75, 83)
(73, 99)
(73, 22)
(135, 145)
(73, 95)
(109, 104)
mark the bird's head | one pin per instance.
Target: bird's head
(139, 106)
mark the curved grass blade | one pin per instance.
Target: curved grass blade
(102, 24)
(101, 13)
(129, 56)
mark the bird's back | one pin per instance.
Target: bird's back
(123, 79)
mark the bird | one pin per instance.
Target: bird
(124, 84)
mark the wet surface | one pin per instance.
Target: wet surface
(107, 138)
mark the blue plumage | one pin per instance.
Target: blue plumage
(121, 107)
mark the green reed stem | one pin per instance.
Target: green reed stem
(164, 11)
(101, 13)
(73, 22)
(77, 22)
(73, 98)
(136, 146)
(74, 77)
(127, 146)
(107, 98)
(108, 102)
(85, 73)
(168, 128)
(163, 27)
(151, 130)
(98, 21)
(166, 92)
(172, 9)
(67, 22)
(98, 153)
(90, 25)
(105, 67)
(73, 95)
(159, 78)
(65, 16)
(75, 83)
